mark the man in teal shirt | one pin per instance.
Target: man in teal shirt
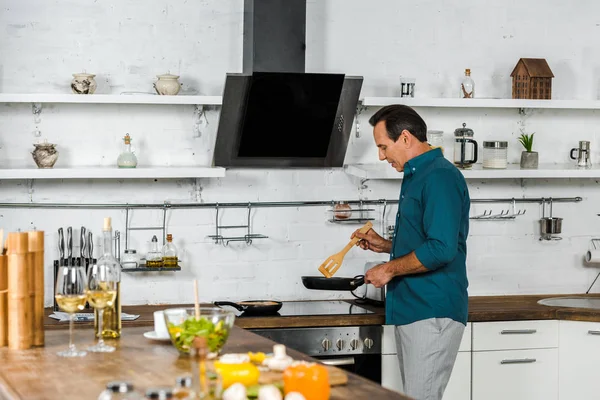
(426, 276)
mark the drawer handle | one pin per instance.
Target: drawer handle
(594, 332)
(519, 361)
(518, 331)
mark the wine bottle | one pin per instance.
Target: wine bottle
(111, 319)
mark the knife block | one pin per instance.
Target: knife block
(19, 304)
(3, 301)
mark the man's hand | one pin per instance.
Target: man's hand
(379, 275)
(372, 241)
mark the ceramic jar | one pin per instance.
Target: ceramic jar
(45, 155)
(167, 84)
(83, 83)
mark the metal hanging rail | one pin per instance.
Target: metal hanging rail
(265, 203)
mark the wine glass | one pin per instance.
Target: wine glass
(102, 282)
(70, 295)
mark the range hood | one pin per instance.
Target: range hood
(274, 114)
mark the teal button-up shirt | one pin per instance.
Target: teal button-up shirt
(432, 221)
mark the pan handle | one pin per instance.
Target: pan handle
(230, 303)
(359, 280)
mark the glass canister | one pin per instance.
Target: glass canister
(465, 147)
(495, 154)
(436, 139)
(130, 259)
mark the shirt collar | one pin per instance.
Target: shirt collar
(418, 162)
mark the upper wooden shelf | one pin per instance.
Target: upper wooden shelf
(112, 173)
(545, 171)
(109, 99)
(482, 103)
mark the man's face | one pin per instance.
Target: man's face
(396, 153)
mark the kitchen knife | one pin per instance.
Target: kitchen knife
(69, 243)
(61, 245)
(90, 247)
(82, 239)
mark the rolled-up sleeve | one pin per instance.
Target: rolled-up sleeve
(443, 197)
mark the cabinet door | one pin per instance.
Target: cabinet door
(579, 352)
(390, 373)
(459, 385)
(515, 374)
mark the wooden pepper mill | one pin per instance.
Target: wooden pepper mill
(36, 289)
(19, 305)
(3, 295)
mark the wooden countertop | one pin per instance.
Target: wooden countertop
(481, 309)
(39, 373)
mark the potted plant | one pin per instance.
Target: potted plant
(529, 158)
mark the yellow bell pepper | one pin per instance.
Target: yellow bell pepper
(245, 373)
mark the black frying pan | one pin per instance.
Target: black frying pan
(322, 283)
(253, 306)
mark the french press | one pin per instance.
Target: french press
(465, 147)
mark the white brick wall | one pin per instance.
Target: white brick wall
(126, 44)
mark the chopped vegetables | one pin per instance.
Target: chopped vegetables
(309, 379)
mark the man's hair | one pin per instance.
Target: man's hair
(399, 117)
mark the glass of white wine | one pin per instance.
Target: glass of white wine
(70, 295)
(102, 280)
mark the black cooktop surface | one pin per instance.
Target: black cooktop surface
(320, 307)
(310, 308)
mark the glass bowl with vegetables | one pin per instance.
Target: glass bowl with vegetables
(214, 323)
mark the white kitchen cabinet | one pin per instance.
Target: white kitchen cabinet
(579, 354)
(459, 385)
(515, 360)
(515, 374)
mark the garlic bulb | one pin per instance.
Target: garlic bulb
(294, 396)
(237, 391)
(269, 392)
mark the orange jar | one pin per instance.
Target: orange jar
(309, 379)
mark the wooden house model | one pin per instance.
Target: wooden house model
(532, 79)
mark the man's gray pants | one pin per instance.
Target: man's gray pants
(427, 351)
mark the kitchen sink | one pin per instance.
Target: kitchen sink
(574, 302)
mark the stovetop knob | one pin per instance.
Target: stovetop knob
(339, 344)
(368, 343)
(354, 343)
(326, 343)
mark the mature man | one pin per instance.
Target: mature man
(426, 276)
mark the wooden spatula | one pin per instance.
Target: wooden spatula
(334, 262)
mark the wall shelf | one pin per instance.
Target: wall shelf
(143, 268)
(112, 173)
(482, 103)
(545, 171)
(109, 99)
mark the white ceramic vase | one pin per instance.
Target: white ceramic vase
(167, 84)
(83, 83)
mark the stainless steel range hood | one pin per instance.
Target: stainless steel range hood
(274, 115)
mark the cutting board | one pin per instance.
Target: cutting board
(337, 376)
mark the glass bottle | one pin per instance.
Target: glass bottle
(159, 394)
(169, 253)
(206, 381)
(154, 256)
(120, 390)
(467, 86)
(183, 388)
(127, 158)
(111, 319)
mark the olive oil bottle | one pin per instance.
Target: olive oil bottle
(169, 253)
(111, 319)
